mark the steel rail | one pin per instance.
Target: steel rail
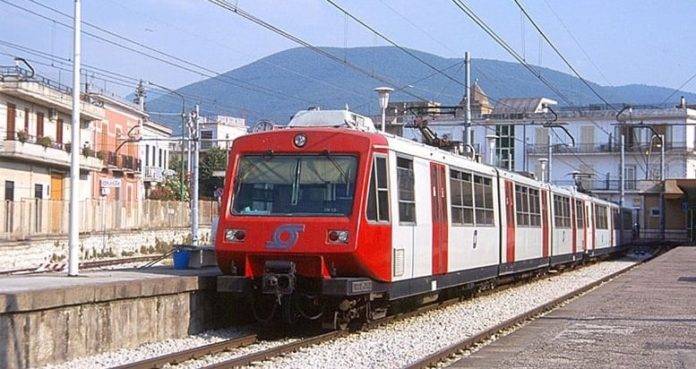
(194, 353)
(277, 351)
(449, 351)
(86, 264)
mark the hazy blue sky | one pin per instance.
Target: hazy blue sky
(644, 42)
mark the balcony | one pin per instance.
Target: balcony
(611, 185)
(43, 151)
(614, 148)
(119, 162)
(18, 82)
(153, 174)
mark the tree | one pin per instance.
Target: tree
(215, 159)
(169, 190)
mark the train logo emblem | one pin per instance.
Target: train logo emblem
(285, 236)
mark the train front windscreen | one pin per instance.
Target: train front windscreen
(295, 185)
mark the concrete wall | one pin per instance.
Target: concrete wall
(32, 253)
(52, 326)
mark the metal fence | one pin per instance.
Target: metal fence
(39, 217)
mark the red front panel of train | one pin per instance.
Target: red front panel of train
(300, 199)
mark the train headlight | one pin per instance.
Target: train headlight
(338, 236)
(235, 235)
(300, 140)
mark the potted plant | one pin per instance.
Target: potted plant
(68, 147)
(100, 155)
(45, 141)
(87, 151)
(22, 136)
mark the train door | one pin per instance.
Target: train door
(591, 224)
(510, 222)
(582, 223)
(574, 225)
(438, 196)
(546, 213)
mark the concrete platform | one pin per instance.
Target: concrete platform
(643, 319)
(50, 318)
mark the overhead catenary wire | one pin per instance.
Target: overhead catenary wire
(558, 52)
(393, 43)
(180, 63)
(484, 26)
(572, 36)
(112, 77)
(437, 71)
(238, 11)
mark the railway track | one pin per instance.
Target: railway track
(84, 265)
(283, 349)
(482, 338)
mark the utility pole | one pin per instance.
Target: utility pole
(73, 224)
(662, 186)
(622, 189)
(467, 122)
(195, 118)
(548, 155)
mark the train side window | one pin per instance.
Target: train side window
(462, 198)
(601, 217)
(534, 208)
(528, 210)
(521, 205)
(406, 193)
(378, 198)
(561, 211)
(483, 196)
(579, 214)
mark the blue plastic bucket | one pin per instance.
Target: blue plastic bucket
(181, 259)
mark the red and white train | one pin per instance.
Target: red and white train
(330, 218)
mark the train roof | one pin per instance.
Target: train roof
(331, 118)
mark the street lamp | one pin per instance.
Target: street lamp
(383, 93)
(183, 128)
(491, 148)
(542, 164)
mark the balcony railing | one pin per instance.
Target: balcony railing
(670, 147)
(122, 161)
(612, 185)
(23, 146)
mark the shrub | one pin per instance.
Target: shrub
(87, 151)
(45, 141)
(22, 136)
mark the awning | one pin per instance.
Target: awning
(672, 190)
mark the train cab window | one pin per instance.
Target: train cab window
(601, 217)
(406, 193)
(561, 211)
(378, 198)
(295, 185)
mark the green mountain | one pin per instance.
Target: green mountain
(279, 85)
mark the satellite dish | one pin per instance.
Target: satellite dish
(263, 125)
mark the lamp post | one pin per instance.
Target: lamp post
(491, 148)
(183, 129)
(383, 93)
(74, 216)
(542, 164)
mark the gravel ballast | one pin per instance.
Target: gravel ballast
(391, 346)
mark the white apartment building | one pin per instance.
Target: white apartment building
(154, 153)
(35, 138)
(585, 151)
(220, 131)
